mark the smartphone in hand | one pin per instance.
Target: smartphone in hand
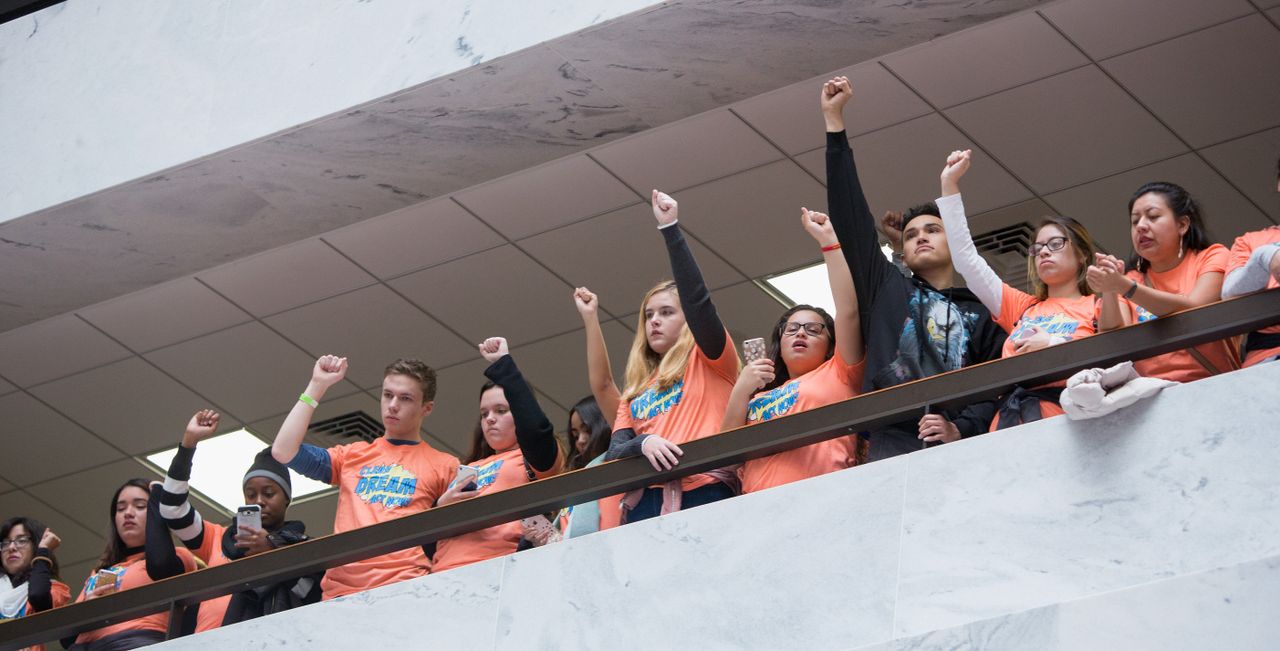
(466, 477)
(753, 349)
(249, 515)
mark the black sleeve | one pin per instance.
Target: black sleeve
(189, 523)
(162, 557)
(854, 225)
(40, 583)
(984, 346)
(624, 443)
(536, 436)
(975, 418)
(695, 300)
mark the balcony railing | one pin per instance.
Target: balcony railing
(869, 411)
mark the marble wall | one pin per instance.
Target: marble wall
(1058, 534)
(171, 82)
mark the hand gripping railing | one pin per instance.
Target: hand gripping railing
(869, 411)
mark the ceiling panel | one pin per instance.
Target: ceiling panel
(1103, 205)
(505, 294)
(247, 370)
(79, 542)
(86, 496)
(129, 403)
(687, 153)
(164, 314)
(972, 63)
(899, 167)
(619, 256)
(1212, 85)
(415, 237)
(1250, 163)
(371, 327)
(267, 428)
(1049, 132)
(6, 387)
(752, 218)
(747, 311)
(53, 348)
(1105, 27)
(316, 513)
(542, 198)
(457, 405)
(286, 277)
(40, 443)
(792, 119)
(558, 366)
(5, 486)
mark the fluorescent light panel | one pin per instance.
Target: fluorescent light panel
(220, 463)
(809, 285)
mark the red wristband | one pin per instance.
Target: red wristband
(833, 247)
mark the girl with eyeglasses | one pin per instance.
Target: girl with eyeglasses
(1061, 308)
(1174, 267)
(679, 374)
(30, 582)
(813, 360)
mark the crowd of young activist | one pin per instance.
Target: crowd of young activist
(896, 321)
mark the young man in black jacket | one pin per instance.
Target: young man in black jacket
(916, 326)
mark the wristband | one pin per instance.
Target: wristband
(1128, 294)
(42, 558)
(308, 400)
(830, 248)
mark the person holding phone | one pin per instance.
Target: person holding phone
(513, 443)
(679, 374)
(267, 492)
(29, 583)
(914, 327)
(813, 360)
(1062, 307)
(393, 476)
(139, 551)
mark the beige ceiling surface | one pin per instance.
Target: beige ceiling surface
(1069, 107)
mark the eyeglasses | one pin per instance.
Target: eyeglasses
(1053, 244)
(21, 542)
(811, 329)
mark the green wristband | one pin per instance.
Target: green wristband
(309, 400)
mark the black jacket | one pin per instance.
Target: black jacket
(956, 329)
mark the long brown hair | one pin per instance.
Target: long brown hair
(1078, 237)
(116, 549)
(644, 362)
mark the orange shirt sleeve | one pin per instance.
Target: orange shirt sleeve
(622, 420)
(337, 454)
(1013, 303)
(726, 365)
(1241, 249)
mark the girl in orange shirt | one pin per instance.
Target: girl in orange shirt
(813, 360)
(139, 551)
(513, 444)
(679, 374)
(29, 583)
(1175, 267)
(1061, 309)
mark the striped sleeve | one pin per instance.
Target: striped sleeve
(175, 507)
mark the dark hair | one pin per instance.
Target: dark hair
(780, 374)
(1079, 238)
(589, 411)
(35, 529)
(116, 550)
(1182, 205)
(480, 447)
(418, 370)
(929, 208)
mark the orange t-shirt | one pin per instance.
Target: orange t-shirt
(1240, 252)
(212, 611)
(1179, 365)
(135, 575)
(60, 593)
(691, 409)
(498, 472)
(377, 482)
(831, 382)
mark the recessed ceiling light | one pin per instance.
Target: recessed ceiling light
(807, 285)
(218, 470)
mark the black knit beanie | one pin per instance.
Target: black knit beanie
(265, 465)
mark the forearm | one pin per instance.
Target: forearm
(1253, 276)
(599, 371)
(852, 221)
(162, 559)
(978, 275)
(699, 312)
(1110, 316)
(735, 413)
(1162, 303)
(534, 433)
(294, 428)
(624, 443)
(975, 419)
(40, 582)
(175, 505)
(845, 297)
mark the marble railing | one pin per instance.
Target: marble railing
(1006, 540)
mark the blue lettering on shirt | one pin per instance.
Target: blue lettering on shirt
(651, 403)
(773, 403)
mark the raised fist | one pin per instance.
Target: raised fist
(329, 370)
(201, 426)
(493, 349)
(835, 94)
(665, 209)
(818, 226)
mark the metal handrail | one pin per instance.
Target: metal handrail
(865, 412)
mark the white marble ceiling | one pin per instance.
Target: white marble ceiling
(1070, 105)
